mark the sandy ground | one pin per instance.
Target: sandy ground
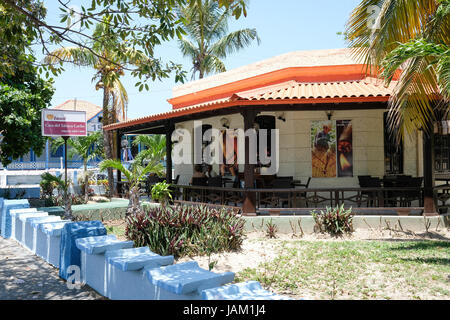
(257, 248)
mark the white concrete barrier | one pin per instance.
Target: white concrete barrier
(14, 213)
(125, 273)
(20, 224)
(93, 263)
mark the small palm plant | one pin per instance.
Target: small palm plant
(135, 175)
(88, 148)
(155, 147)
(50, 180)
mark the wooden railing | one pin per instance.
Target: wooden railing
(304, 198)
(442, 196)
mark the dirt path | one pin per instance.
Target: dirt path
(25, 276)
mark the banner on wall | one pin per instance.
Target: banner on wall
(344, 148)
(331, 149)
(323, 146)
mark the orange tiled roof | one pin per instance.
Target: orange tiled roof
(368, 87)
(290, 92)
(91, 109)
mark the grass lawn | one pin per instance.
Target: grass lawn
(357, 270)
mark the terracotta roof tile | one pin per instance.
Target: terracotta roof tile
(91, 109)
(291, 91)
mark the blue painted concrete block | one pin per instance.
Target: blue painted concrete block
(48, 241)
(250, 290)
(6, 216)
(93, 262)
(187, 278)
(136, 259)
(70, 254)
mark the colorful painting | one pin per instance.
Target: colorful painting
(229, 164)
(323, 146)
(344, 148)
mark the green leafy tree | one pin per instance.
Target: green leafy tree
(87, 148)
(142, 23)
(135, 175)
(412, 37)
(208, 40)
(22, 97)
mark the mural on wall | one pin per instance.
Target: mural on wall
(229, 164)
(331, 147)
(323, 146)
(344, 148)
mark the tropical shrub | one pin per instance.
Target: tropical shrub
(186, 230)
(161, 192)
(335, 221)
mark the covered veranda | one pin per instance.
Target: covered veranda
(297, 95)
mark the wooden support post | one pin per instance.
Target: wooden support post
(249, 205)
(170, 128)
(429, 205)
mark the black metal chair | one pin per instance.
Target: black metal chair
(304, 195)
(412, 195)
(198, 194)
(369, 182)
(267, 199)
(283, 198)
(176, 193)
(213, 195)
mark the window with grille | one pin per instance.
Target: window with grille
(393, 151)
(442, 152)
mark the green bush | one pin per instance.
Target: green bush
(161, 192)
(335, 221)
(186, 230)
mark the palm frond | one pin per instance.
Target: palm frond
(234, 42)
(116, 164)
(76, 55)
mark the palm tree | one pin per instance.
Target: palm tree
(135, 175)
(108, 57)
(155, 147)
(207, 27)
(88, 148)
(48, 179)
(412, 36)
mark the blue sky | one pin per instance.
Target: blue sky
(283, 26)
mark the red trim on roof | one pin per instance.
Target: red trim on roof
(300, 74)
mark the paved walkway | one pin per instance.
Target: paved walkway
(24, 275)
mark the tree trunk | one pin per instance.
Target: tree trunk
(68, 206)
(86, 183)
(134, 206)
(107, 140)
